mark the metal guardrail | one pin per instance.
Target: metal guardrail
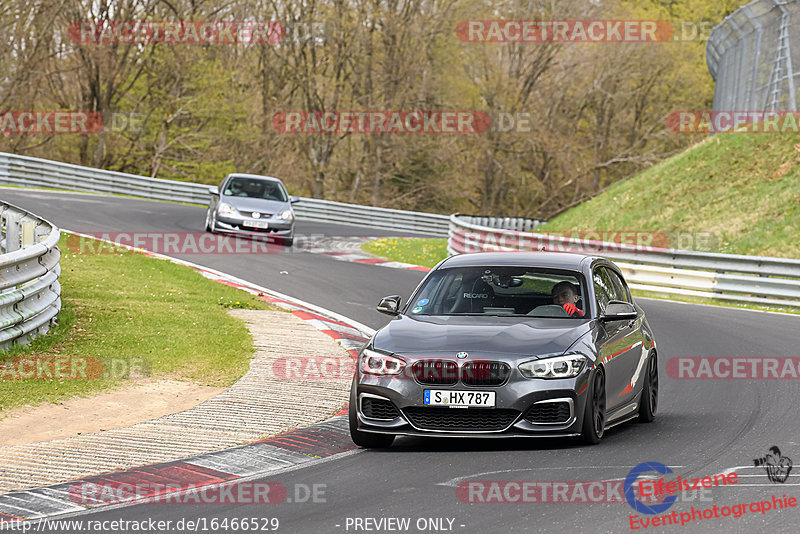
(35, 172)
(327, 211)
(764, 280)
(506, 223)
(735, 278)
(30, 295)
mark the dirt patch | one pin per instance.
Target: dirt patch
(114, 409)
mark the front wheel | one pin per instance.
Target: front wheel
(366, 440)
(594, 414)
(649, 403)
(210, 222)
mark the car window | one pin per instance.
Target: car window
(255, 188)
(515, 291)
(602, 288)
(621, 291)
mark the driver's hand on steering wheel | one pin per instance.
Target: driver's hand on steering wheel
(572, 310)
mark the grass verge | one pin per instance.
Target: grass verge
(135, 317)
(743, 189)
(425, 252)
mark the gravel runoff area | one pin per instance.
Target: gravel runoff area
(260, 404)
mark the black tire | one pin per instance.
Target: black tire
(366, 440)
(649, 403)
(288, 241)
(594, 413)
(211, 225)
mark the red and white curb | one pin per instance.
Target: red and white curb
(191, 480)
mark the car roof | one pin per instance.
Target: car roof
(552, 260)
(256, 176)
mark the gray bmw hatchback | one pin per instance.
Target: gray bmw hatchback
(253, 205)
(507, 345)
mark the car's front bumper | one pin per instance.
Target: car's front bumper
(516, 399)
(277, 227)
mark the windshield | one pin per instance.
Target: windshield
(513, 291)
(255, 188)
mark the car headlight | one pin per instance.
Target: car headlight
(375, 363)
(286, 215)
(226, 209)
(566, 366)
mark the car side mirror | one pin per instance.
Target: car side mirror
(294, 199)
(617, 310)
(213, 191)
(390, 305)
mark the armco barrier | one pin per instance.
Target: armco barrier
(30, 295)
(751, 279)
(34, 172)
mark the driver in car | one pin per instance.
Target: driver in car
(236, 190)
(565, 295)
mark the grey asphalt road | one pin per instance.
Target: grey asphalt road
(351, 289)
(703, 427)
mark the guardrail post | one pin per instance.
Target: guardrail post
(28, 228)
(12, 231)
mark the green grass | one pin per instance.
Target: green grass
(425, 252)
(743, 189)
(130, 311)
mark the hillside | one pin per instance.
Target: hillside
(742, 188)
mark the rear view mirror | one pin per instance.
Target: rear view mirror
(617, 310)
(294, 199)
(213, 191)
(390, 305)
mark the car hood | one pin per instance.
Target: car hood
(256, 204)
(444, 336)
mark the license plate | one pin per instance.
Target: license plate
(253, 223)
(459, 399)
